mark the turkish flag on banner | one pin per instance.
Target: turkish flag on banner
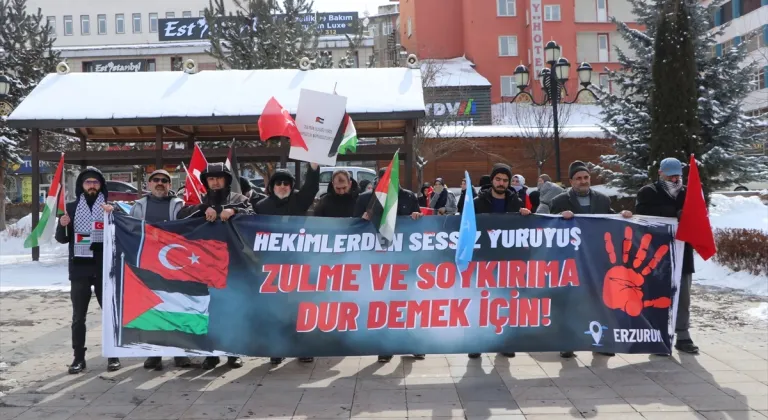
(193, 188)
(174, 257)
(276, 121)
(694, 227)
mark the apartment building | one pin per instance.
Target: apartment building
(146, 35)
(747, 23)
(498, 35)
(383, 29)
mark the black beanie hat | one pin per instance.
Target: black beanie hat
(485, 180)
(501, 168)
(576, 166)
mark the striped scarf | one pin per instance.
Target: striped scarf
(88, 225)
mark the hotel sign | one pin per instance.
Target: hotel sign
(537, 37)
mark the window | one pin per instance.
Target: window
(153, 22)
(506, 8)
(386, 27)
(507, 46)
(101, 20)
(201, 13)
(119, 23)
(605, 81)
(602, 48)
(51, 20)
(749, 6)
(727, 45)
(365, 176)
(410, 27)
(69, 28)
(186, 14)
(170, 15)
(373, 30)
(602, 10)
(508, 87)
(759, 81)
(176, 63)
(85, 25)
(552, 12)
(726, 12)
(754, 40)
(137, 23)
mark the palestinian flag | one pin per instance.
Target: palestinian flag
(54, 207)
(151, 303)
(346, 138)
(382, 208)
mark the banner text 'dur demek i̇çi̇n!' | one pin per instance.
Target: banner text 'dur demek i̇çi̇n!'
(307, 286)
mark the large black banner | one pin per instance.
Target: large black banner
(305, 286)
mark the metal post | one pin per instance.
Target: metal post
(410, 133)
(554, 96)
(83, 148)
(297, 173)
(34, 146)
(158, 147)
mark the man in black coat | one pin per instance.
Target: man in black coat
(665, 198)
(282, 200)
(341, 197)
(499, 198)
(82, 228)
(219, 202)
(582, 199)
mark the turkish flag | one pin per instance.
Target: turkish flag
(174, 257)
(694, 227)
(276, 121)
(193, 188)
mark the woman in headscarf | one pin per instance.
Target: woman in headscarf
(443, 201)
(518, 184)
(425, 194)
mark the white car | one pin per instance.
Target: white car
(355, 172)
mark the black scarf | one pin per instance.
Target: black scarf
(442, 199)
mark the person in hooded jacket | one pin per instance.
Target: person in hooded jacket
(82, 228)
(254, 195)
(407, 203)
(282, 200)
(484, 184)
(442, 201)
(425, 194)
(548, 190)
(364, 184)
(460, 204)
(341, 197)
(219, 202)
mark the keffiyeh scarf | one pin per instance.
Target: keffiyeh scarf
(672, 188)
(89, 225)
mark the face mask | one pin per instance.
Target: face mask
(438, 188)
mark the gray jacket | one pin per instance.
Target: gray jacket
(547, 192)
(139, 209)
(450, 204)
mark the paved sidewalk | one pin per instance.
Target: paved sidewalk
(729, 380)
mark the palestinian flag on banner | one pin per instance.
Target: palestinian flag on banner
(382, 208)
(151, 303)
(54, 207)
(346, 138)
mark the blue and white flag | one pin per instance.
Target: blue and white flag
(468, 229)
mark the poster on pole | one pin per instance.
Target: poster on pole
(318, 117)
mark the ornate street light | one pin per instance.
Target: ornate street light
(553, 80)
(5, 85)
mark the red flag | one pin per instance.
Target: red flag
(694, 227)
(426, 211)
(193, 188)
(174, 257)
(275, 121)
(137, 297)
(527, 203)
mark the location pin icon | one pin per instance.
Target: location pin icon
(597, 331)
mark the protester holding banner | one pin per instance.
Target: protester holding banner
(582, 199)
(282, 200)
(341, 197)
(407, 203)
(499, 199)
(442, 201)
(547, 191)
(665, 198)
(85, 239)
(425, 194)
(460, 204)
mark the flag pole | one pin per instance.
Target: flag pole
(62, 189)
(122, 301)
(194, 188)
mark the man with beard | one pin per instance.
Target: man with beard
(341, 197)
(665, 198)
(499, 198)
(582, 199)
(158, 207)
(407, 205)
(219, 202)
(85, 238)
(282, 200)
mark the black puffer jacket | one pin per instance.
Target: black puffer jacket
(335, 205)
(298, 202)
(407, 203)
(82, 267)
(218, 200)
(652, 200)
(483, 203)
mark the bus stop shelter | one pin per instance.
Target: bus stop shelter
(222, 105)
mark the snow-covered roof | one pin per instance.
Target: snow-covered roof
(220, 97)
(453, 72)
(490, 131)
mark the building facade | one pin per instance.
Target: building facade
(498, 35)
(143, 35)
(383, 30)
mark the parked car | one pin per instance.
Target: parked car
(355, 172)
(123, 191)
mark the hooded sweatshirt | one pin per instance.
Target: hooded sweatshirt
(217, 199)
(334, 205)
(298, 202)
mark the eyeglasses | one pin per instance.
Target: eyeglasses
(282, 183)
(160, 180)
(91, 182)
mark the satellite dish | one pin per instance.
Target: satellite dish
(366, 21)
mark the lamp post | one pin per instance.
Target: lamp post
(552, 79)
(5, 86)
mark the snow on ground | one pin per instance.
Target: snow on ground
(760, 312)
(18, 271)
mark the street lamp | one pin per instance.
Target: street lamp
(552, 81)
(5, 86)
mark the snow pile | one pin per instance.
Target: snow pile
(733, 212)
(13, 237)
(452, 72)
(760, 312)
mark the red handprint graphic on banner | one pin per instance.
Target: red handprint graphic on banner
(622, 286)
